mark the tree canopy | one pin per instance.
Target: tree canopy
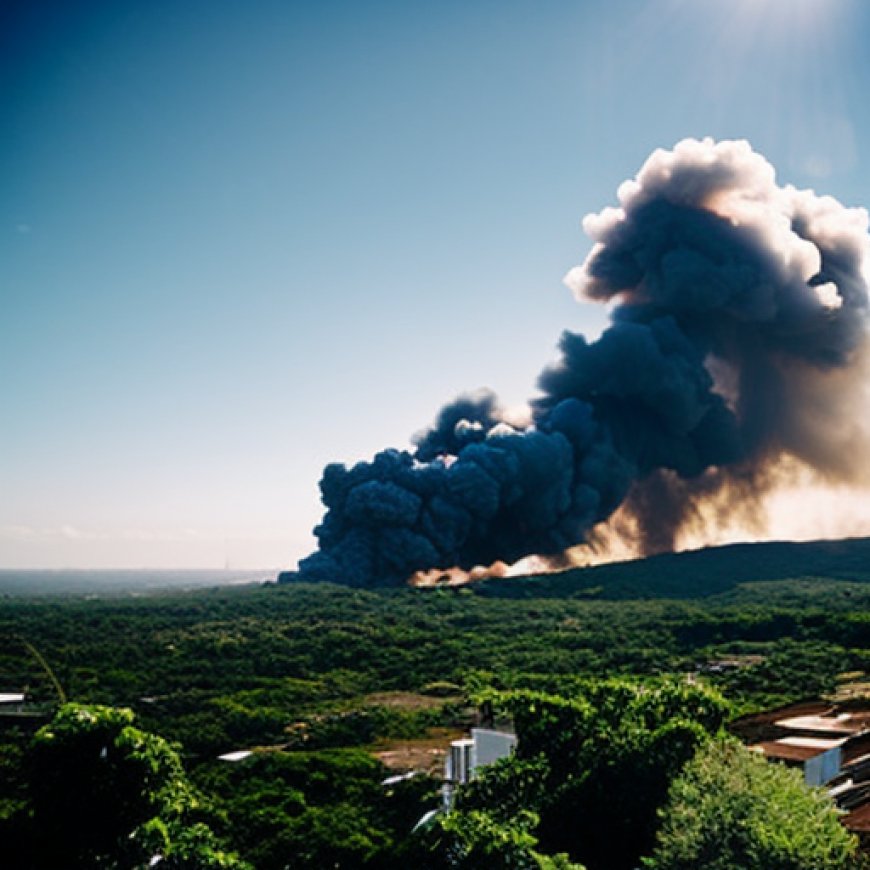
(732, 810)
(104, 793)
(597, 765)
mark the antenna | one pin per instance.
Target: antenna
(46, 667)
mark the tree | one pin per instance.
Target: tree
(106, 794)
(732, 810)
(596, 767)
(475, 839)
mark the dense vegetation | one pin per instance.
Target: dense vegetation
(324, 681)
(596, 766)
(104, 793)
(730, 808)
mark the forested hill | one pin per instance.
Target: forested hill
(695, 574)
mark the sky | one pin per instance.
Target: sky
(240, 240)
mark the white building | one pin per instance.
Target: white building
(484, 747)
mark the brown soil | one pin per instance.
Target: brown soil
(425, 754)
(405, 700)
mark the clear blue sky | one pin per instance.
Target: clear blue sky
(239, 240)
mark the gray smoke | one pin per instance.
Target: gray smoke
(738, 340)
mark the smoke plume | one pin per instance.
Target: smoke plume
(737, 352)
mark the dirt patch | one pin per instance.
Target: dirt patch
(405, 701)
(425, 754)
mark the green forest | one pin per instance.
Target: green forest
(612, 678)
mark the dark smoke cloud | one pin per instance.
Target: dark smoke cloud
(738, 341)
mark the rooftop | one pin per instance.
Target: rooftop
(239, 755)
(827, 723)
(822, 744)
(798, 749)
(858, 819)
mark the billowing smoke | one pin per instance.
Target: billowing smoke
(737, 349)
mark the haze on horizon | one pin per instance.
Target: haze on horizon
(241, 242)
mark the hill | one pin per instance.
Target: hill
(694, 574)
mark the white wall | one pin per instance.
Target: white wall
(490, 746)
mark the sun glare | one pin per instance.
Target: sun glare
(801, 27)
(786, 18)
(773, 65)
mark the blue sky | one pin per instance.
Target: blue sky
(241, 240)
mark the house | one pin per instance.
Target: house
(818, 757)
(815, 736)
(832, 747)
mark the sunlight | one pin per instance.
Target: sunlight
(781, 57)
(800, 26)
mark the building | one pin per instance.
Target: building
(12, 702)
(18, 710)
(485, 746)
(830, 745)
(460, 761)
(814, 736)
(818, 757)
